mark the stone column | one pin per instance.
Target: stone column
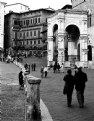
(84, 50)
(32, 89)
(61, 30)
(50, 50)
(61, 56)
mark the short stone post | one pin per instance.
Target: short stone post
(32, 111)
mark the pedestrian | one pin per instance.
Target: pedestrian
(34, 66)
(42, 71)
(69, 82)
(46, 71)
(58, 67)
(62, 68)
(26, 66)
(21, 80)
(80, 80)
(55, 67)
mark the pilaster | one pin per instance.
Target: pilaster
(61, 55)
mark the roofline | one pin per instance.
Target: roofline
(71, 11)
(16, 4)
(3, 3)
(41, 9)
(12, 13)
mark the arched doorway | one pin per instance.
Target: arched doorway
(55, 42)
(71, 43)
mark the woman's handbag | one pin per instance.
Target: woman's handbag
(65, 89)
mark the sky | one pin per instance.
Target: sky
(36, 4)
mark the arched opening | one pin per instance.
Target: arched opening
(89, 53)
(71, 40)
(55, 42)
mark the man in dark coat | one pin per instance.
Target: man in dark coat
(69, 82)
(80, 80)
(21, 81)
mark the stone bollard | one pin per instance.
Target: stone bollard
(32, 89)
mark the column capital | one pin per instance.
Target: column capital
(33, 80)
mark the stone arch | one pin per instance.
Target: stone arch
(55, 42)
(72, 34)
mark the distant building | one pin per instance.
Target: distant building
(87, 5)
(17, 7)
(23, 31)
(2, 5)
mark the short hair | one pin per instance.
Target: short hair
(69, 71)
(80, 69)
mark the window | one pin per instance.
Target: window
(35, 20)
(27, 34)
(31, 42)
(38, 33)
(15, 22)
(27, 22)
(46, 19)
(34, 42)
(24, 22)
(34, 33)
(31, 21)
(27, 42)
(31, 33)
(38, 41)
(20, 23)
(38, 20)
(24, 35)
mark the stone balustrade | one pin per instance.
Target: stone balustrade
(32, 92)
(32, 103)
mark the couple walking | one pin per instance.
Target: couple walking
(78, 81)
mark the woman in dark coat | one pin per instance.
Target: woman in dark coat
(69, 82)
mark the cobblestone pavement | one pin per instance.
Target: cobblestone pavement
(13, 103)
(51, 93)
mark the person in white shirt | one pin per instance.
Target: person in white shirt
(46, 71)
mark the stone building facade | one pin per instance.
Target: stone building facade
(87, 5)
(67, 38)
(2, 8)
(23, 31)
